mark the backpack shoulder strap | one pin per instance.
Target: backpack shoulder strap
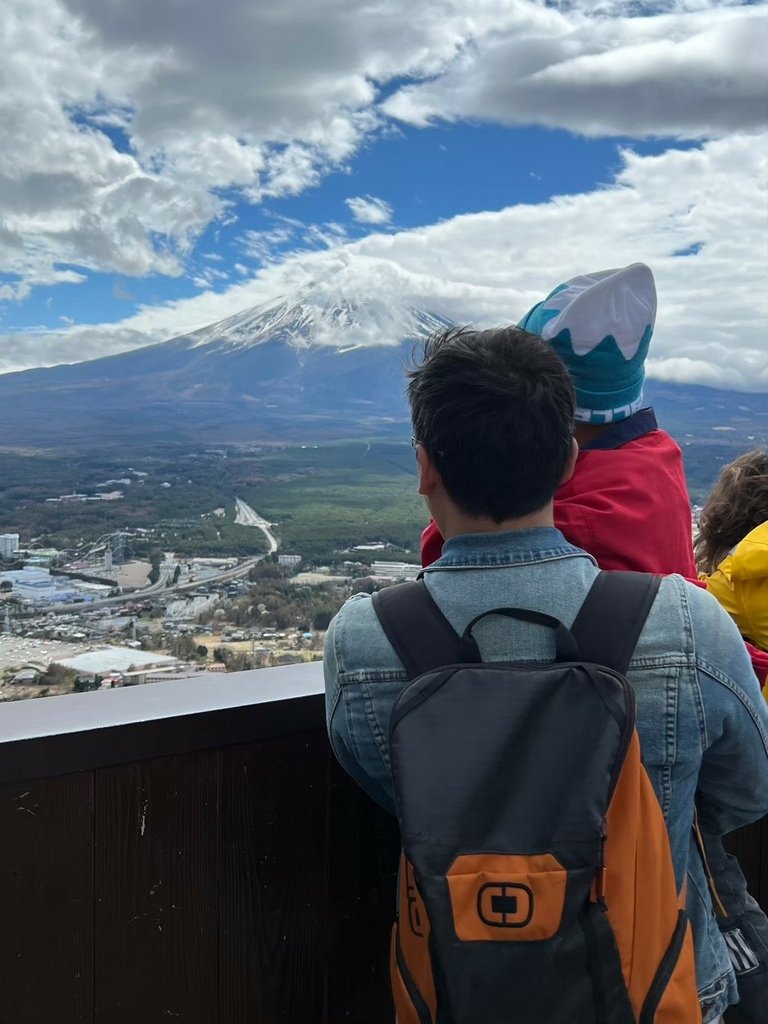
(420, 634)
(612, 617)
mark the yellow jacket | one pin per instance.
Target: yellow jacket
(740, 584)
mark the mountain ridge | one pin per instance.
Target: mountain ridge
(316, 366)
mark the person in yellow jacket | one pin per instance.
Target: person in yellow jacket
(732, 559)
(732, 546)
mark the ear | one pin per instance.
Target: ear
(570, 465)
(429, 477)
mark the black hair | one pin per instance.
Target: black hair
(494, 411)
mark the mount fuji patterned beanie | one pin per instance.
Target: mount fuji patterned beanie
(600, 325)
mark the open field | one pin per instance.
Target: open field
(322, 499)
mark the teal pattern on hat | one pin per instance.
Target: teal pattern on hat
(601, 325)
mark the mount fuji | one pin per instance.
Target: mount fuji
(315, 366)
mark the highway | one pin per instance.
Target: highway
(246, 516)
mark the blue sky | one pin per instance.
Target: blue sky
(424, 175)
(475, 153)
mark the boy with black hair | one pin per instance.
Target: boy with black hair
(493, 423)
(627, 501)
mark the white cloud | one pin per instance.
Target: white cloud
(689, 73)
(125, 124)
(491, 267)
(267, 246)
(129, 126)
(369, 210)
(264, 246)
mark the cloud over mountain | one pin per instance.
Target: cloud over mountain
(698, 217)
(131, 126)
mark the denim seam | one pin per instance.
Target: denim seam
(350, 728)
(705, 900)
(670, 660)
(690, 637)
(373, 724)
(395, 675)
(718, 676)
(715, 990)
(670, 728)
(339, 627)
(527, 558)
(352, 677)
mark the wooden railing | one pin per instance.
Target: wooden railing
(189, 852)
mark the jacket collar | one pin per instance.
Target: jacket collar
(618, 434)
(513, 547)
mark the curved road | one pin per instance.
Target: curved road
(246, 516)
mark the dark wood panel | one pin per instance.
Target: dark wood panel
(45, 756)
(46, 937)
(248, 885)
(361, 862)
(156, 887)
(272, 882)
(241, 941)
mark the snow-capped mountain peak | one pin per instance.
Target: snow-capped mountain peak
(311, 319)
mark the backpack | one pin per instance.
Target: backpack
(536, 882)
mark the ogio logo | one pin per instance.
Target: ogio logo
(505, 904)
(506, 897)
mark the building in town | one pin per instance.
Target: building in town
(9, 545)
(133, 665)
(289, 561)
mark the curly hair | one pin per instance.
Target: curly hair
(738, 503)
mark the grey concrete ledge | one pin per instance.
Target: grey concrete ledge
(85, 731)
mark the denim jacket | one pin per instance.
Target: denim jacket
(702, 722)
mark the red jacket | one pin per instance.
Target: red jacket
(626, 503)
(759, 664)
(609, 509)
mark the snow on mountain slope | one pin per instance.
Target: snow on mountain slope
(315, 362)
(324, 362)
(320, 319)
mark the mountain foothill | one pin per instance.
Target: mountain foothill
(305, 368)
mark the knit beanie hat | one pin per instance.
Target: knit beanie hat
(601, 325)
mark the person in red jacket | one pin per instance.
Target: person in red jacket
(627, 502)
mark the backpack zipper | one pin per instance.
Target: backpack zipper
(626, 732)
(416, 998)
(625, 738)
(664, 971)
